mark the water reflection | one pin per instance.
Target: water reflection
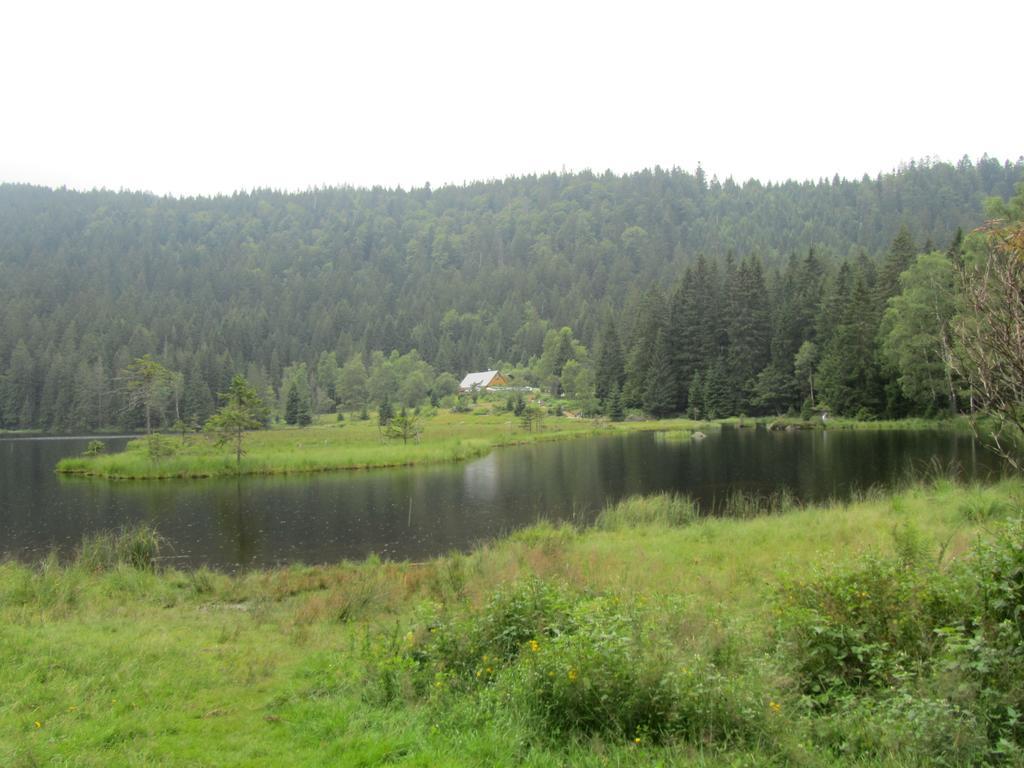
(418, 512)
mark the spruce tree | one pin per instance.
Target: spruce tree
(897, 261)
(652, 322)
(292, 405)
(749, 336)
(660, 393)
(695, 326)
(613, 407)
(609, 371)
(386, 411)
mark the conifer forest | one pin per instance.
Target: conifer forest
(663, 291)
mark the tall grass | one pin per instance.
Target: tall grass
(802, 638)
(136, 547)
(353, 444)
(665, 509)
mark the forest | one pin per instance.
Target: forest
(662, 292)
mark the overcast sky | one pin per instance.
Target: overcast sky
(200, 98)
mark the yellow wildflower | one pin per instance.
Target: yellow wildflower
(572, 675)
(534, 646)
(636, 740)
(38, 724)
(774, 706)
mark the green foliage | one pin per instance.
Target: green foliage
(385, 411)
(94, 448)
(405, 426)
(611, 676)
(613, 405)
(983, 660)
(867, 627)
(518, 405)
(239, 284)
(243, 410)
(148, 384)
(565, 664)
(531, 417)
(659, 509)
(136, 547)
(159, 447)
(916, 331)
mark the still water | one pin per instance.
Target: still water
(418, 512)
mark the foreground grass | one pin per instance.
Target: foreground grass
(352, 444)
(107, 663)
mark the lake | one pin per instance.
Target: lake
(415, 513)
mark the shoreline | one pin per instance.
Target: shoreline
(323, 448)
(275, 666)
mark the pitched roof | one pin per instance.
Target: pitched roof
(479, 379)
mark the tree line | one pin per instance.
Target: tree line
(661, 290)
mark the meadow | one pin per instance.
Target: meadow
(883, 631)
(328, 445)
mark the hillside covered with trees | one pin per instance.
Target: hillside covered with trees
(661, 291)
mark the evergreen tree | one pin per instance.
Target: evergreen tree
(292, 406)
(385, 411)
(198, 400)
(613, 404)
(660, 393)
(749, 335)
(303, 415)
(652, 322)
(719, 397)
(897, 261)
(849, 379)
(695, 327)
(609, 370)
(243, 410)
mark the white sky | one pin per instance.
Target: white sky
(199, 98)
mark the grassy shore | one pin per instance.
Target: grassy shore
(955, 424)
(656, 638)
(351, 444)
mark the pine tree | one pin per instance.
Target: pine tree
(303, 416)
(695, 328)
(652, 322)
(897, 261)
(386, 411)
(749, 335)
(613, 407)
(609, 371)
(292, 406)
(660, 393)
(848, 378)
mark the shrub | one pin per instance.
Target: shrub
(864, 627)
(613, 676)
(984, 654)
(94, 448)
(566, 665)
(904, 728)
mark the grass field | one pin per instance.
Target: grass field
(655, 638)
(351, 444)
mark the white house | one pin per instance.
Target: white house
(482, 380)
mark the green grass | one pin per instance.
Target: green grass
(107, 661)
(957, 424)
(351, 444)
